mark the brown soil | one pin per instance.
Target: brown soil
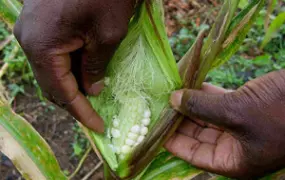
(56, 126)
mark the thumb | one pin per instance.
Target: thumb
(210, 107)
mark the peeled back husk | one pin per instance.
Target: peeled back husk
(134, 102)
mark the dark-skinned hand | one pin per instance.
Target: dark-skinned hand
(239, 134)
(68, 44)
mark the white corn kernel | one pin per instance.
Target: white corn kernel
(108, 133)
(115, 133)
(140, 139)
(144, 130)
(107, 81)
(130, 142)
(146, 113)
(133, 116)
(112, 147)
(145, 121)
(117, 150)
(116, 123)
(132, 136)
(135, 129)
(140, 110)
(126, 149)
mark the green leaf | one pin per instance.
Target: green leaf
(220, 178)
(77, 149)
(9, 11)
(215, 39)
(270, 7)
(237, 31)
(242, 4)
(262, 60)
(273, 28)
(142, 72)
(166, 166)
(25, 147)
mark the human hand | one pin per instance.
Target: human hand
(68, 44)
(242, 133)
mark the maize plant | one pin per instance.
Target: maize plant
(134, 103)
(33, 160)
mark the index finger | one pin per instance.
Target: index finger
(54, 75)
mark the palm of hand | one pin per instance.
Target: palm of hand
(207, 147)
(250, 139)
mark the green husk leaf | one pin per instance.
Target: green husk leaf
(220, 178)
(273, 28)
(237, 32)
(9, 11)
(167, 166)
(242, 4)
(213, 44)
(270, 8)
(25, 147)
(142, 72)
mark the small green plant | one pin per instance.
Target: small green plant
(17, 72)
(80, 143)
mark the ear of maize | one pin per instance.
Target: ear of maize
(138, 82)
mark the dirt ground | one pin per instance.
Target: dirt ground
(56, 125)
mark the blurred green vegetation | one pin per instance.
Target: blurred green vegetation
(18, 74)
(250, 61)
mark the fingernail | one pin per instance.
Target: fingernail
(176, 99)
(96, 88)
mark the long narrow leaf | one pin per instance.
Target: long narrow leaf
(215, 39)
(273, 28)
(9, 11)
(238, 30)
(270, 7)
(25, 147)
(166, 166)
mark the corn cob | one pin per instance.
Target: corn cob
(141, 75)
